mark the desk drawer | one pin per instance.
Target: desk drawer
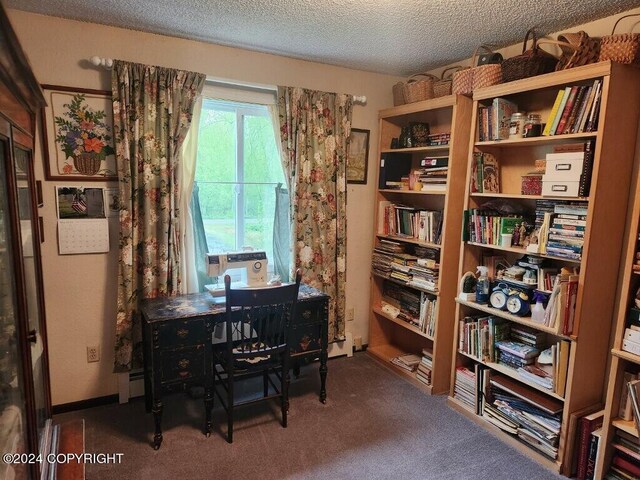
(309, 312)
(183, 363)
(305, 338)
(173, 334)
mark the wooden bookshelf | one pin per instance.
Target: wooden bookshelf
(613, 166)
(389, 337)
(620, 360)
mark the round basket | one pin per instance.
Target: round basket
(398, 94)
(442, 87)
(577, 49)
(418, 89)
(87, 163)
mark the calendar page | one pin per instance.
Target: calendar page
(88, 235)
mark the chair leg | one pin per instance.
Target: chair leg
(230, 408)
(265, 382)
(284, 397)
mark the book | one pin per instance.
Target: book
(586, 425)
(581, 110)
(501, 112)
(589, 104)
(634, 390)
(553, 113)
(594, 449)
(490, 174)
(587, 168)
(625, 409)
(530, 396)
(518, 349)
(561, 110)
(577, 104)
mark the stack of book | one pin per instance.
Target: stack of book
(408, 362)
(401, 264)
(464, 388)
(424, 274)
(433, 178)
(494, 119)
(575, 110)
(534, 418)
(424, 368)
(625, 463)
(410, 222)
(515, 354)
(407, 301)
(437, 139)
(566, 233)
(381, 262)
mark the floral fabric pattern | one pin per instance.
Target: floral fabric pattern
(314, 131)
(152, 110)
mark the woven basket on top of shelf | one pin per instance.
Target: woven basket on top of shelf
(466, 80)
(442, 87)
(621, 47)
(529, 63)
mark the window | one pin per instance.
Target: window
(238, 168)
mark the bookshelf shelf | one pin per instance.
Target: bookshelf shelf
(630, 357)
(402, 323)
(390, 337)
(409, 240)
(626, 426)
(505, 437)
(384, 353)
(403, 284)
(522, 251)
(519, 196)
(512, 318)
(512, 373)
(548, 140)
(409, 192)
(431, 148)
(606, 237)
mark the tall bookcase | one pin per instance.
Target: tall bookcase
(607, 204)
(622, 361)
(390, 336)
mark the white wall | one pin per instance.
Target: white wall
(80, 290)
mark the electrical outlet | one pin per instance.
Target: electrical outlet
(351, 314)
(93, 353)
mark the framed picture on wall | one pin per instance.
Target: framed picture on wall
(77, 128)
(358, 156)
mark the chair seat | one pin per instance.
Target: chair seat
(245, 348)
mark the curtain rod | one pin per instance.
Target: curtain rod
(108, 64)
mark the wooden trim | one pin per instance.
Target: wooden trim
(84, 404)
(416, 107)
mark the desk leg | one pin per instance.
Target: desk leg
(323, 375)
(208, 406)
(157, 418)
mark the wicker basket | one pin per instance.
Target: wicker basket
(398, 94)
(87, 163)
(418, 89)
(467, 80)
(442, 87)
(577, 48)
(621, 47)
(530, 63)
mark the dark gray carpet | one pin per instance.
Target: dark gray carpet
(374, 426)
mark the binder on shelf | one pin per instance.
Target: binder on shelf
(393, 166)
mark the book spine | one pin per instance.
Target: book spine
(595, 110)
(587, 167)
(574, 109)
(566, 221)
(553, 113)
(581, 112)
(567, 110)
(558, 116)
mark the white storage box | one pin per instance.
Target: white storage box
(560, 188)
(564, 166)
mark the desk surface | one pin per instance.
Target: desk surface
(197, 304)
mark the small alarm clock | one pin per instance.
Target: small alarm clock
(518, 303)
(499, 295)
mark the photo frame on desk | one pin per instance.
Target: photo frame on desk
(77, 129)
(358, 156)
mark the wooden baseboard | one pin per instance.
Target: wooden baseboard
(84, 404)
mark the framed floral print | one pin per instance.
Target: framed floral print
(358, 156)
(77, 128)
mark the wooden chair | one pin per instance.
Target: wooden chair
(257, 330)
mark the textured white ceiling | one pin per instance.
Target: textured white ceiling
(387, 36)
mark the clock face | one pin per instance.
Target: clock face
(514, 304)
(498, 299)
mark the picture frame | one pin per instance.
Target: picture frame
(79, 202)
(358, 156)
(77, 129)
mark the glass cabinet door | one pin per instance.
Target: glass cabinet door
(13, 426)
(28, 234)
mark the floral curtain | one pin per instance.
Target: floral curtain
(314, 130)
(152, 110)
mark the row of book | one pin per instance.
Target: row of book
(485, 174)
(575, 110)
(531, 417)
(420, 270)
(417, 308)
(487, 226)
(410, 222)
(561, 307)
(494, 119)
(525, 350)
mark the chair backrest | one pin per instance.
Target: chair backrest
(259, 319)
